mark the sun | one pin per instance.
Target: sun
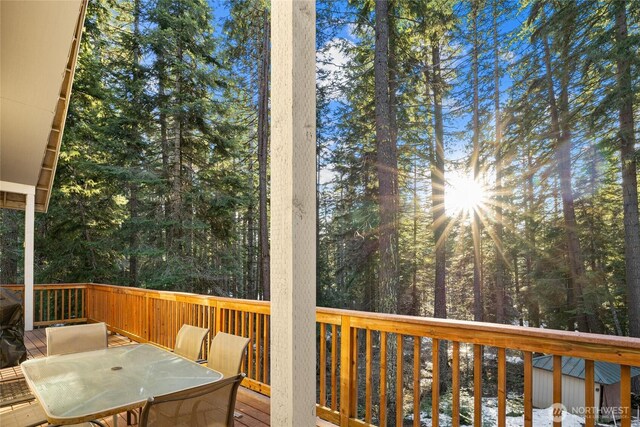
(463, 194)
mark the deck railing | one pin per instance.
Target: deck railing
(59, 303)
(373, 369)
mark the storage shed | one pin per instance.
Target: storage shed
(606, 388)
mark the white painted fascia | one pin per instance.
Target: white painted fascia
(14, 187)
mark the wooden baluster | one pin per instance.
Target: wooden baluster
(173, 326)
(625, 395)
(243, 332)
(165, 308)
(159, 320)
(217, 319)
(334, 367)
(368, 373)
(243, 326)
(416, 381)
(147, 317)
(383, 379)
(353, 382)
(251, 347)
(346, 337)
(557, 390)
(323, 364)
(528, 389)
(399, 371)
(455, 385)
(502, 388)
(55, 304)
(236, 322)
(265, 346)
(258, 341)
(435, 382)
(477, 385)
(40, 304)
(589, 397)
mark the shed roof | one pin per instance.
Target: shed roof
(604, 372)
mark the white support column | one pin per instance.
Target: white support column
(293, 213)
(29, 220)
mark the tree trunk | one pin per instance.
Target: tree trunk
(164, 140)
(176, 178)
(250, 276)
(133, 186)
(499, 227)
(516, 285)
(437, 206)
(533, 307)
(475, 164)
(629, 170)
(263, 158)
(563, 164)
(387, 241)
(584, 295)
(401, 307)
(437, 187)
(414, 308)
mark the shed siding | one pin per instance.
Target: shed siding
(572, 392)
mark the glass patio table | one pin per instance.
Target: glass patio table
(79, 387)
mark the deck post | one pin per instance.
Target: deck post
(293, 213)
(29, 223)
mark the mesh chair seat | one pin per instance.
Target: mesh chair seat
(226, 353)
(210, 405)
(76, 338)
(189, 341)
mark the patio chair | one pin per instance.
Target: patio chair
(207, 405)
(76, 338)
(188, 345)
(189, 341)
(67, 340)
(226, 353)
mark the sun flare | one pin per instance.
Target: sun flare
(463, 194)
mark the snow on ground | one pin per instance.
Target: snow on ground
(510, 359)
(541, 417)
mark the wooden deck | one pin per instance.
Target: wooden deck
(254, 407)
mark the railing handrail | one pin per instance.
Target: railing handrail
(609, 348)
(158, 314)
(597, 346)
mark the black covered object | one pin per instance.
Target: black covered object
(12, 349)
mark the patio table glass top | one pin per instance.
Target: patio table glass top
(84, 386)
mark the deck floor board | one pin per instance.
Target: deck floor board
(254, 407)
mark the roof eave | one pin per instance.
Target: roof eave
(11, 200)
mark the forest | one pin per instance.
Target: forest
(476, 159)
